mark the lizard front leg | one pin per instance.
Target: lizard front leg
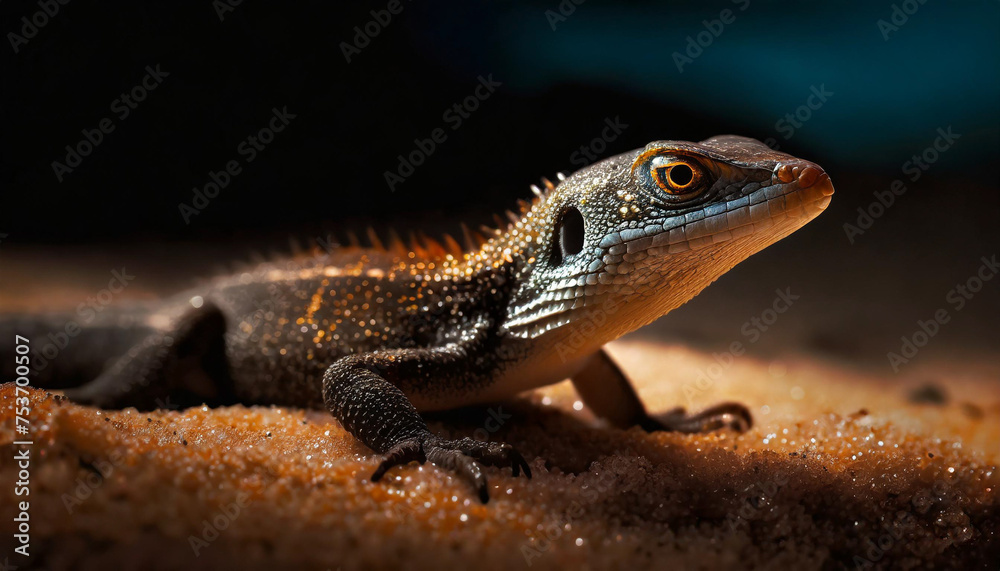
(604, 388)
(363, 392)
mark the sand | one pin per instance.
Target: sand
(844, 469)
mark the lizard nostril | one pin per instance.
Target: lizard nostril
(785, 173)
(808, 176)
(805, 174)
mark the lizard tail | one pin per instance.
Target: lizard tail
(67, 349)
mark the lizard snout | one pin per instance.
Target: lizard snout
(813, 187)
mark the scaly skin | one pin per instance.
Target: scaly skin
(376, 335)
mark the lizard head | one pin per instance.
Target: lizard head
(626, 240)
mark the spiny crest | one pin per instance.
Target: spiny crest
(419, 244)
(426, 247)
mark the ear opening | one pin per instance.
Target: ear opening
(569, 236)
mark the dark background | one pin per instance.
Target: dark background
(325, 171)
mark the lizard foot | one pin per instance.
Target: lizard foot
(731, 415)
(463, 456)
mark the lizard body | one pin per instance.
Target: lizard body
(377, 335)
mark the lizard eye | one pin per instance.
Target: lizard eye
(675, 176)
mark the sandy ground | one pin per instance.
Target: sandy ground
(844, 469)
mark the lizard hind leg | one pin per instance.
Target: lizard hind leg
(380, 415)
(183, 366)
(604, 388)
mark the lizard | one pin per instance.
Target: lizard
(378, 335)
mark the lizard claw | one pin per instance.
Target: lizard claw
(731, 415)
(467, 468)
(466, 457)
(518, 464)
(402, 453)
(495, 454)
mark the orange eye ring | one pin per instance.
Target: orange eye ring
(675, 176)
